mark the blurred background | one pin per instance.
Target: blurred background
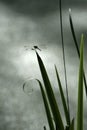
(23, 24)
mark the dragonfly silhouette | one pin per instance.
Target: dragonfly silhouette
(34, 48)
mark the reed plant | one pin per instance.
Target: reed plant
(55, 120)
(54, 117)
(50, 103)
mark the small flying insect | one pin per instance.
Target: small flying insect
(36, 48)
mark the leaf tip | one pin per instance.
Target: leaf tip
(70, 10)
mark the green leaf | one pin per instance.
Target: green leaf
(72, 125)
(67, 116)
(76, 45)
(73, 32)
(63, 49)
(50, 95)
(48, 112)
(80, 90)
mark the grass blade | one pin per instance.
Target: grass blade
(50, 94)
(72, 125)
(61, 25)
(76, 45)
(67, 116)
(73, 32)
(80, 90)
(48, 112)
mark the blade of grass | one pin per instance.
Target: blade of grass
(63, 98)
(67, 128)
(80, 90)
(72, 125)
(48, 112)
(61, 25)
(73, 32)
(76, 45)
(50, 94)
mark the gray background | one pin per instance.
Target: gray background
(36, 22)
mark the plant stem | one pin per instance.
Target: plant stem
(61, 24)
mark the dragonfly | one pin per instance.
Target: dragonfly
(35, 47)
